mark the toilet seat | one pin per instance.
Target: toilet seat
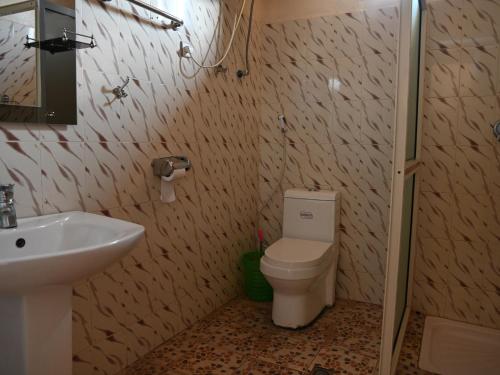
(296, 259)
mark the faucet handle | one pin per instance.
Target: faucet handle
(6, 193)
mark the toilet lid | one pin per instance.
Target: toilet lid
(294, 252)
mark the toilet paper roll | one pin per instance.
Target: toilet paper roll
(178, 173)
(167, 191)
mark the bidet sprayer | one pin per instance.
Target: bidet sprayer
(282, 121)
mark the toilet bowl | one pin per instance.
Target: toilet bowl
(301, 266)
(302, 275)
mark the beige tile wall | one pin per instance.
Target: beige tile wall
(187, 264)
(458, 256)
(333, 77)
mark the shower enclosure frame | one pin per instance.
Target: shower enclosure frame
(403, 169)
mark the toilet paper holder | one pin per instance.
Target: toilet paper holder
(165, 167)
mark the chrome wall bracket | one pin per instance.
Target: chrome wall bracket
(119, 91)
(164, 167)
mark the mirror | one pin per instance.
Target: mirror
(38, 43)
(18, 65)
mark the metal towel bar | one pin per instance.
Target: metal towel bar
(176, 22)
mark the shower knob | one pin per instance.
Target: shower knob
(496, 130)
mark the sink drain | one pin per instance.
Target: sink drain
(318, 370)
(20, 242)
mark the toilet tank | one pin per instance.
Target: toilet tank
(311, 215)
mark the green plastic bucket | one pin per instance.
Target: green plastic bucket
(256, 286)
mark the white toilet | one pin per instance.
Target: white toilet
(301, 267)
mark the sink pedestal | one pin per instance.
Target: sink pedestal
(35, 332)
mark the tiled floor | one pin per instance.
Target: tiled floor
(408, 359)
(240, 339)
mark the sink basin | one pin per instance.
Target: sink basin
(61, 249)
(39, 261)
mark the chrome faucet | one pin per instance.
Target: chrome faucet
(8, 217)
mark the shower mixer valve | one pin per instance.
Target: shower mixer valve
(496, 130)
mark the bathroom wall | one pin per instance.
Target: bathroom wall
(458, 257)
(333, 77)
(188, 263)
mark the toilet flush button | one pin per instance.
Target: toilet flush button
(306, 215)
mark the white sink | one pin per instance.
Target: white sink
(39, 261)
(61, 249)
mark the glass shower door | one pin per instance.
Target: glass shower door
(404, 186)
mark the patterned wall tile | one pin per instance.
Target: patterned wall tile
(348, 80)
(492, 267)
(442, 69)
(475, 170)
(19, 132)
(109, 298)
(440, 119)
(429, 297)
(309, 165)
(345, 127)
(81, 317)
(377, 121)
(434, 212)
(477, 114)
(481, 25)
(439, 169)
(472, 218)
(379, 76)
(478, 70)
(433, 260)
(444, 24)
(347, 30)
(466, 304)
(102, 22)
(105, 177)
(376, 167)
(63, 176)
(380, 33)
(468, 264)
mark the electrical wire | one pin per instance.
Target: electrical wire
(215, 36)
(237, 20)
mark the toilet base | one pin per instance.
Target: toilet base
(301, 301)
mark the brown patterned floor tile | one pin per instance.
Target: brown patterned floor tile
(287, 351)
(355, 313)
(258, 367)
(241, 338)
(358, 339)
(150, 367)
(207, 360)
(344, 361)
(175, 349)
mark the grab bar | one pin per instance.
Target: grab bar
(176, 22)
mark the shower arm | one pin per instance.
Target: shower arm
(176, 22)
